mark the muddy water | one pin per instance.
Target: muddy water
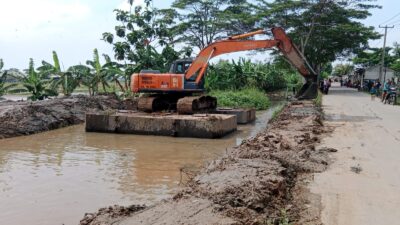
(55, 177)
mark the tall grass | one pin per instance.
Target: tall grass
(233, 75)
(245, 98)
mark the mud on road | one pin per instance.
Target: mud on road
(26, 117)
(261, 181)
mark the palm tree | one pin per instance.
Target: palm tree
(36, 83)
(66, 80)
(3, 76)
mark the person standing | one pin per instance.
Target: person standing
(386, 87)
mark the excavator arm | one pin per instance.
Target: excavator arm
(200, 64)
(237, 44)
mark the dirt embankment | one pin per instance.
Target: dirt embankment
(259, 182)
(23, 118)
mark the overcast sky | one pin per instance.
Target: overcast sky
(73, 28)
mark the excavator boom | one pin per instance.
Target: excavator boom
(236, 44)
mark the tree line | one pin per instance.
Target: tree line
(146, 37)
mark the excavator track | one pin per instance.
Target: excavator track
(145, 104)
(157, 103)
(196, 104)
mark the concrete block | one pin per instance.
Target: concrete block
(244, 116)
(199, 126)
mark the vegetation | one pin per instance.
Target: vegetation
(201, 22)
(373, 56)
(248, 98)
(318, 100)
(3, 76)
(233, 75)
(146, 38)
(36, 84)
(67, 80)
(323, 30)
(277, 111)
(282, 220)
(343, 69)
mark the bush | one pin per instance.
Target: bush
(245, 98)
(226, 75)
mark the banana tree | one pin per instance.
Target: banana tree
(36, 83)
(116, 72)
(64, 79)
(3, 76)
(83, 76)
(99, 77)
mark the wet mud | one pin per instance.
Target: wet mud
(261, 181)
(25, 117)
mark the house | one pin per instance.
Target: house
(372, 73)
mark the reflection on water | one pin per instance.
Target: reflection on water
(55, 177)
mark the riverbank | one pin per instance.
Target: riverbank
(261, 181)
(26, 117)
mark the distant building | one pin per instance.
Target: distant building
(372, 73)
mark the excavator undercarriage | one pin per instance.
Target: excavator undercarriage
(177, 103)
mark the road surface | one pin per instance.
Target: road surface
(362, 186)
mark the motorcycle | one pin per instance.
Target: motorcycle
(391, 96)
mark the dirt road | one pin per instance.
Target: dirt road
(362, 186)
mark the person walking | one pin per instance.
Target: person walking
(329, 85)
(373, 91)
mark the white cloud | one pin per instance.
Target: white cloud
(27, 18)
(124, 5)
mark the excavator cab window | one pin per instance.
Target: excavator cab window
(180, 66)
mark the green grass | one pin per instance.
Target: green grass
(277, 111)
(282, 220)
(318, 100)
(246, 98)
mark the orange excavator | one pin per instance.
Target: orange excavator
(182, 88)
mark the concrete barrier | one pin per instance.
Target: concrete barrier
(130, 122)
(244, 116)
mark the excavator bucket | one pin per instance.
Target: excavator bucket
(309, 89)
(297, 59)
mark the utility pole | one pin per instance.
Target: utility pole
(383, 53)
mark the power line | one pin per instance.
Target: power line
(380, 40)
(398, 14)
(394, 22)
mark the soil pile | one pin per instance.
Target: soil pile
(23, 118)
(258, 182)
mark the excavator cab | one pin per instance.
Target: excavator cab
(181, 66)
